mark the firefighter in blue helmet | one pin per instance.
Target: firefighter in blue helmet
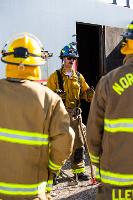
(110, 128)
(71, 86)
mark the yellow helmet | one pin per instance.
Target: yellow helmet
(127, 47)
(23, 56)
(24, 50)
(127, 44)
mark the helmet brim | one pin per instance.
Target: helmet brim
(66, 55)
(127, 35)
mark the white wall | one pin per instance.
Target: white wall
(54, 21)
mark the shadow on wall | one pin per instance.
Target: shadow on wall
(114, 59)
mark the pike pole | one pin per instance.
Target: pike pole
(77, 114)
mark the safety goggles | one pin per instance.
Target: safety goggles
(71, 58)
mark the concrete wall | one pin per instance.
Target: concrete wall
(54, 21)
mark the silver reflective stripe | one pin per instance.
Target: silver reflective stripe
(118, 125)
(22, 189)
(23, 137)
(111, 178)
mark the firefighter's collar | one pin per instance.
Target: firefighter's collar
(128, 59)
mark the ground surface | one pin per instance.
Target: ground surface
(67, 190)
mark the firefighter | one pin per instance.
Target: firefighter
(32, 146)
(71, 86)
(110, 128)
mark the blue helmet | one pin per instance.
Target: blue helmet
(69, 50)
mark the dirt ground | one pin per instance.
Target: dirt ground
(66, 189)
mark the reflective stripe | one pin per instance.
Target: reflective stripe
(119, 125)
(116, 179)
(94, 159)
(53, 166)
(98, 174)
(78, 171)
(49, 186)
(23, 137)
(22, 189)
(130, 26)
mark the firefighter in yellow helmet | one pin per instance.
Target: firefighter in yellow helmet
(32, 146)
(72, 87)
(110, 128)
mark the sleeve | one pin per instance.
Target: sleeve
(61, 137)
(86, 91)
(52, 82)
(95, 123)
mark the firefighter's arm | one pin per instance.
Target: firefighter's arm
(52, 82)
(61, 137)
(95, 124)
(86, 91)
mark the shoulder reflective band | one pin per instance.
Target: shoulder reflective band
(22, 189)
(94, 159)
(53, 166)
(23, 137)
(116, 179)
(119, 125)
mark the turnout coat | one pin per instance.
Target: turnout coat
(35, 138)
(110, 131)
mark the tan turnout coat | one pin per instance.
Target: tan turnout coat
(110, 131)
(35, 138)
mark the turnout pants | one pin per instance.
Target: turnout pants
(77, 158)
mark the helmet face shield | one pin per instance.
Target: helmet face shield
(25, 50)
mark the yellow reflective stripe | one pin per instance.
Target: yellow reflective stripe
(54, 166)
(116, 179)
(22, 189)
(130, 26)
(98, 174)
(23, 137)
(49, 186)
(78, 171)
(94, 159)
(119, 125)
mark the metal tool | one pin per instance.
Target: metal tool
(77, 115)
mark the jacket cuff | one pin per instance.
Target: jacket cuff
(49, 186)
(54, 167)
(94, 159)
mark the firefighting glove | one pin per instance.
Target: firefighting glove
(90, 93)
(48, 196)
(76, 112)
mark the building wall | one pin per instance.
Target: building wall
(54, 21)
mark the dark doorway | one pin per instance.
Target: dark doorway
(99, 52)
(90, 44)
